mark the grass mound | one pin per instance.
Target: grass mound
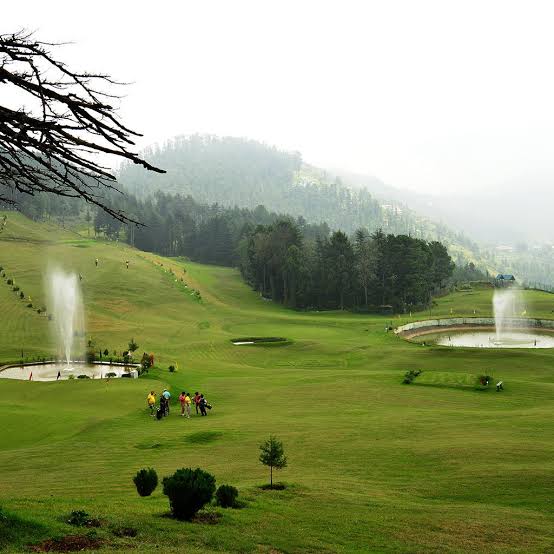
(203, 437)
(450, 379)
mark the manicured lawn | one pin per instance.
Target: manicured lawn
(374, 465)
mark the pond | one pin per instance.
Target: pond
(49, 371)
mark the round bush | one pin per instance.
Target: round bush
(146, 481)
(188, 491)
(226, 496)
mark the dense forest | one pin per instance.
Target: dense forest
(367, 272)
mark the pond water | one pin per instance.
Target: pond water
(49, 372)
(487, 339)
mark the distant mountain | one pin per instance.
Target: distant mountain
(238, 172)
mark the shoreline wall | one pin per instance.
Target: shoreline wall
(445, 323)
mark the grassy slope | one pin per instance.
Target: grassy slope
(373, 465)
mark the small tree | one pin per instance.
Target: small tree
(188, 491)
(146, 480)
(132, 345)
(273, 455)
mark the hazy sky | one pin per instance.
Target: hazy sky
(428, 95)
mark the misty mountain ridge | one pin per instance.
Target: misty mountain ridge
(239, 172)
(509, 213)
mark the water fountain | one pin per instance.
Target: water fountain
(509, 328)
(66, 308)
(507, 304)
(67, 311)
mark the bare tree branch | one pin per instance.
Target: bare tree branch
(63, 118)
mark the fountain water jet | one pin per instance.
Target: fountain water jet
(507, 304)
(67, 309)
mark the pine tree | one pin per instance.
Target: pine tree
(273, 455)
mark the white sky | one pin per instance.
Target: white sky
(427, 95)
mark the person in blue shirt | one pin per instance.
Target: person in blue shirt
(166, 396)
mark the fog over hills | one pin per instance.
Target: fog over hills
(503, 214)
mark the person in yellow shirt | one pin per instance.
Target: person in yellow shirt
(187, 404)
(151, 400)
(184, 399)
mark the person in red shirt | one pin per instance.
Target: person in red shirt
(182, 397)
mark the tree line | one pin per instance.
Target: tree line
(335, 271)
(301, 265)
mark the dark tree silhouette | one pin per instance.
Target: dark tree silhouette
(59, 125)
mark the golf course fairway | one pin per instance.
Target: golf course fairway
(374, 465)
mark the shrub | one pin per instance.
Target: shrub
(145, 361)
(9, 281)
(188, 491)
(146, 481)
(106, 352)
(71, 376)
(171, 368)
(83, 377)
(111, 374)
(411, 375)
(132, 345)
(80, 518)
(226, 496)
(16, 288)
(22, 295)
(30, 305)
(90, 356)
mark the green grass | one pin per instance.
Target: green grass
(374, 465)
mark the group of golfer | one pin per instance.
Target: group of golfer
(200, 403)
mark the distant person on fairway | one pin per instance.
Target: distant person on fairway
(59, 375)
(166, 397)
(197, 401)
(96, 262)
(151, 400)
(127, 263)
